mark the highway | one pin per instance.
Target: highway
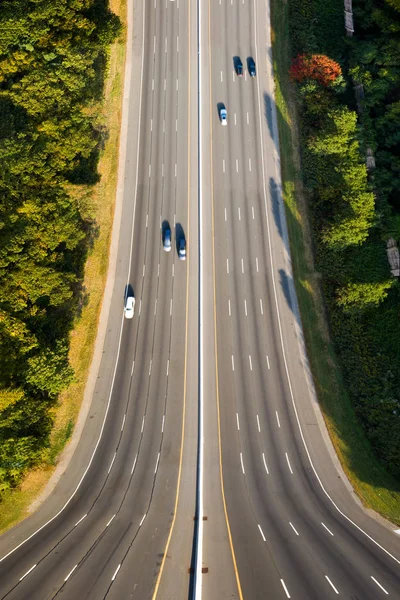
(278, 519)
(296, 531)
(110, 538)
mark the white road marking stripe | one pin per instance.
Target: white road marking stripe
(233, 79)
(229, 307)
(177, 43)
(226, 216)
(27, 573)
(176, 169)
(235, 117)
(222, 77)
(142, 425)
(242, 266)
(261, 306)
(150, 170)
(233, 363)
(176, 124)
(152, 86)
(144, 269)
(257, 264)
(173, 269)
(143, 518)
(70, 573)
(162, 170)
(251, 365)
(123, 422)
(252, 211)
(151, 362)
(381, 586)
(331, 584)
(249, 164)
(294, 529)
(258, 424)
(177, 85)
(134, 464)
(267, 362)
(277, 418)
(165, 84)
(227, 266)
(158, 270)
(328, 530)
(239, 212)
(167, 367)
(166, 44)
(80, 520)
(170, 308)
(245, 307)
(163, 423)
(265, 463)
(112, 462)
(237, 166)
(223, 165)
(111, 520)
(147, 220)
(241, 462)
(155, 307)
(237, 421)
(285, 588)
(140, 306)
(158, 460)
(288, 462)
(133, 366)
(151, 125)
(163, 126)
(261, 531)
(154, 44)
(248, 119)
(116, 571)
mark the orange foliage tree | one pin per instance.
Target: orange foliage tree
(315, 66)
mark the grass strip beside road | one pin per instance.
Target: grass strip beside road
(376, 488)
(101, 199)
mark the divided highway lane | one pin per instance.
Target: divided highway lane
(288, 538)
(108, 540)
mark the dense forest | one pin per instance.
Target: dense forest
(355, 211)
(53, 58)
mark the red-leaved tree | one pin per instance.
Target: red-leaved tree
(314, 66)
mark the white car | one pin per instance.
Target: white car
(129, 307)
(223, 115)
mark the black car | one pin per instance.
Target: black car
(251, 66)
(239, 68)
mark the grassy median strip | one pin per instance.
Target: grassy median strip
(375, 487)
(101, 199)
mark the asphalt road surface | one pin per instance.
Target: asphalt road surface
(110, 539)
(279, 519)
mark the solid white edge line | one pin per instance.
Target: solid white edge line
(27, 573)
(277, 418)
(237, 421)
(381, 586)
(258, 424)
(143, 518)
(331, 584)
(141, 431)
(198, 558)
(281, 334)
(70, 573)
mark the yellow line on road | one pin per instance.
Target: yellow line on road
(215, 322)
(186, 343)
